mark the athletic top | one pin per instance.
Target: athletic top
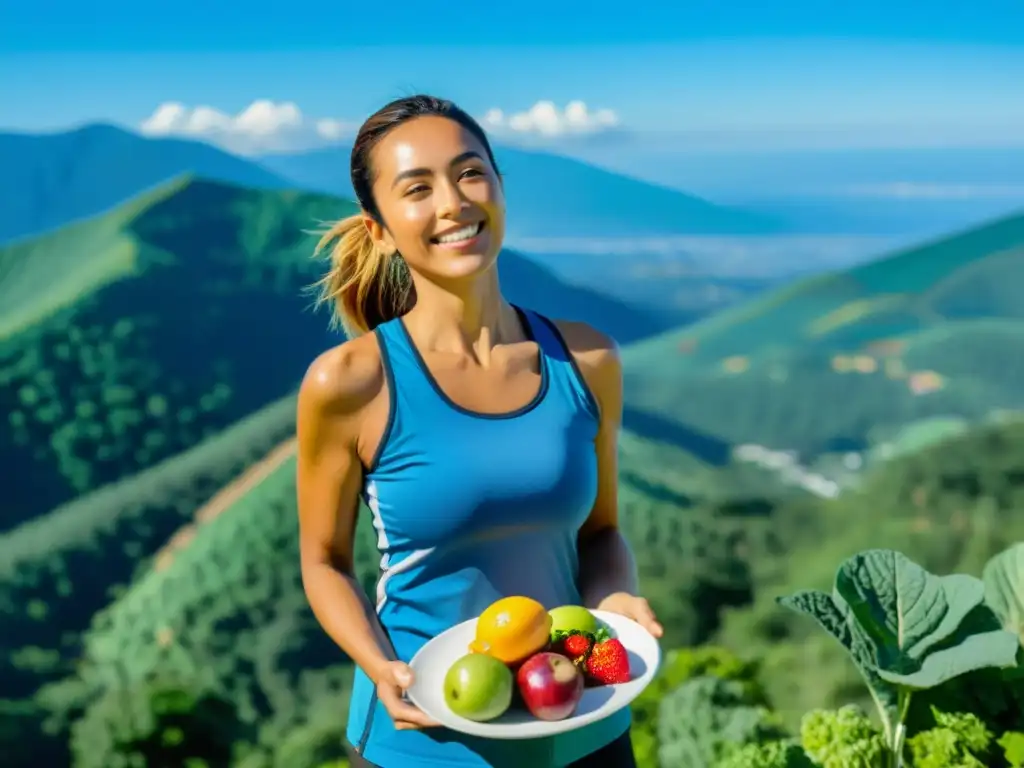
(469, 508)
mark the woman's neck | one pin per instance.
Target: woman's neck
(471, 319)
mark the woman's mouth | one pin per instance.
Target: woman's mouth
(460, 238)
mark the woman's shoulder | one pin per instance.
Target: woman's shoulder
(344, 379)
(596, 355)
(593, 349)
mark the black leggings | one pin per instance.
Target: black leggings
(617, 754)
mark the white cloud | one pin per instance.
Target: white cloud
(263, 126)
(545, 119)
(913, 190)
(269, 126)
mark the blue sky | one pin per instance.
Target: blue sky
(194, 25)
(701, 76)
(699, 65)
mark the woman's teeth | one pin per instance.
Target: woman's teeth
(462, 234)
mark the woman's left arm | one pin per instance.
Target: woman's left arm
(608, 574)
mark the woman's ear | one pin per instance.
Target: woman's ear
(380, 236)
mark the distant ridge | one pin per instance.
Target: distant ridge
(55, 178)
(555, 196)
(840, 361)
(52, 179)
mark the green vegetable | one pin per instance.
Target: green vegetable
(958, 740)
(1004, 587)
(907, 630)
(843, 738)
(781, 753)
(705, 719)
(1012, 743)
(679, 666)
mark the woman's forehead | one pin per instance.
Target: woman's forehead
(425, 142)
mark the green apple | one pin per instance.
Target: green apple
(478, 687)
(569, 617)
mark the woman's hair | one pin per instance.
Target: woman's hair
(365, 286)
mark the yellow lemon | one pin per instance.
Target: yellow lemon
(512, 629)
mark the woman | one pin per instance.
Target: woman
(482, 436)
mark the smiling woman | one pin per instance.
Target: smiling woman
(482, 436)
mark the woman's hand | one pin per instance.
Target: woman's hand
(392, 681)
(632, 607)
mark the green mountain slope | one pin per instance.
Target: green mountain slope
(58, 569)
(129, 337)
(929, 331)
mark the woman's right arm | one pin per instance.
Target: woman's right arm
(334, 396)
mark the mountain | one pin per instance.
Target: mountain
(551, 195)
(52, 179)
(841, 361)
(129, 337)
(56, 178)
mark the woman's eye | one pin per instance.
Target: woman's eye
(416, 189)
(470, 172)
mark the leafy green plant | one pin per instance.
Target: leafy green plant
(780, 753)
(707, 718)
(907, 630)
(1004, 587)
(678, 667)
(958, 740)
(842, 738)
(1012, 743)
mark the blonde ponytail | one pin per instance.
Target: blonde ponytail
(364, 286)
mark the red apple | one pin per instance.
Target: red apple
(550, 684)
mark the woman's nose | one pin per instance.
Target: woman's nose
(449, 201)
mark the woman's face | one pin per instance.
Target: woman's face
(439, 197)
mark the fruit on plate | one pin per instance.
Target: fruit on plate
(567, 618)
(550, 685)
(573, 644)
(478, 687)
(608, 662)
(512, 629)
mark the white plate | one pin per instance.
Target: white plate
(431, 664)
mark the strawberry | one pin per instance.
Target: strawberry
(573, 644)
(576, 646)
(608, 663)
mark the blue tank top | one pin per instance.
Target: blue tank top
(469, 508)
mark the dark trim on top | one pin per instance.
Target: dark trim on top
(389, 378)
(591, 400)
(534, 402)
